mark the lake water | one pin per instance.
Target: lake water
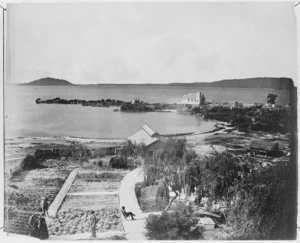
(24, 118)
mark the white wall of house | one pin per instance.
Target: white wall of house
(192, 99)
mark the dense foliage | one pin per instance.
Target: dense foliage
(118, 162)
(145, 107)
(258, 198)
(167, 167)
(254, 118)
(263, 209)
(29, 163)
(136, 107)
(177, 225)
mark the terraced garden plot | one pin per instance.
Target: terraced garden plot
(89, 202)
(91, 190)
(78, 221)
(24, 193)
(104, 186)
(100, 176)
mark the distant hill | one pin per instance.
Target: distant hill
(48, 82)
(272, 83)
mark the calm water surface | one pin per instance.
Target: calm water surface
(25, 118)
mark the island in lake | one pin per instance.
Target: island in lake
(48, 82)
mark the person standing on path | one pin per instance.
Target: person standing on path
(93, 223)
(44, 206)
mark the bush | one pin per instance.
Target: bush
(98, 153)
(263, 209)
(259, 198)
(179, 225)
(118, 162)
(99, 163)
(29, 163)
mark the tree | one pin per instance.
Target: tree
(167, 166)
(271, 98)
(133, 150)
(258, 197)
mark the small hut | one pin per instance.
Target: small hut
(265, 148)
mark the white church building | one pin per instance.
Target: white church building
(194, 99)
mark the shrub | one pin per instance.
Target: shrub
(118, 162)
(178, 225)
(29, 163)
(98, 153)
(259, 198)
(99, 163)
(263, 208)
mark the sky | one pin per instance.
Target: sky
(150, 42)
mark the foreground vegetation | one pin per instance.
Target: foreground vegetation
(177, 225)
(257, 198)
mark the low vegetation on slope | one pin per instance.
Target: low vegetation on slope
(259, 199)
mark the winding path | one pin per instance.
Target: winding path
(134, 229)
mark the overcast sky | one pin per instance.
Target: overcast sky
(150, 42)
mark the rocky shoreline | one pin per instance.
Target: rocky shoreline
(132, 106)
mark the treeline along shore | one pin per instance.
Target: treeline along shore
(267, 118)
(132, 106)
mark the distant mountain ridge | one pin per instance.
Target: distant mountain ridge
(265, 82)
(272, 83)
(48, 82)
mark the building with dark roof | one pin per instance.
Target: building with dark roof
(262, 147)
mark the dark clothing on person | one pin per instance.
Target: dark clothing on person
(126, 214)
(33, 226)
(43, 228)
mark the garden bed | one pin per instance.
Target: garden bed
(89, 202)
(78, 221)
(26, 190)
(84, 186)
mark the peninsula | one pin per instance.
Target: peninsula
(135, 105)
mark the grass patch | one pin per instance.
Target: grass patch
(49, 182)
